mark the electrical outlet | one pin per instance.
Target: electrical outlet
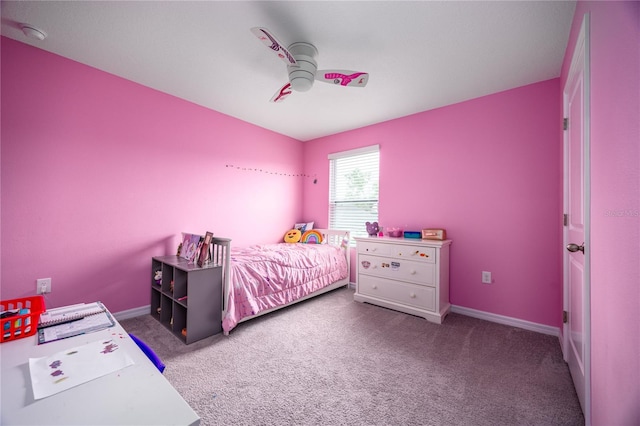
(486, 277)
(43, 285)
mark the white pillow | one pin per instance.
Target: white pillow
(304, 226)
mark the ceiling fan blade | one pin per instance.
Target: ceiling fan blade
(282, 94)
(269, 40)
(343, 77)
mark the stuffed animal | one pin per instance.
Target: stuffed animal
(292, 236)
(157, 276)
(372, 228)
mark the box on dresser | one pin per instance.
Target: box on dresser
(404, 274)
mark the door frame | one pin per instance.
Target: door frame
(580, 57)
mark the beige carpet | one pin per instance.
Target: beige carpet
(333, 361)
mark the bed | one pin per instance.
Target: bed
(263, 278)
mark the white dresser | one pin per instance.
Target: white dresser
(405, 274)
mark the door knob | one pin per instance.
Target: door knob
(574, 247)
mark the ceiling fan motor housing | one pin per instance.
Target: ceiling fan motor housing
(302, 76)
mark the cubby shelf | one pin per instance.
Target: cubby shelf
(187, 298)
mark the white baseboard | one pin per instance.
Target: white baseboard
(132, 313)
(501, 319)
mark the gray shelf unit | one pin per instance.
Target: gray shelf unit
(194, 303)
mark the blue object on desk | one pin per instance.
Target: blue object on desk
(155, 359)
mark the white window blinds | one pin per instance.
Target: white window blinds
(353, 189)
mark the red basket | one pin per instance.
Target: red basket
(22, 323)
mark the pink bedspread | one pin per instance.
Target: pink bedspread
(268, 276)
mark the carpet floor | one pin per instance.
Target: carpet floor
(333, 361)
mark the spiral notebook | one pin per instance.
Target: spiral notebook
(69, 313)
(69, 321)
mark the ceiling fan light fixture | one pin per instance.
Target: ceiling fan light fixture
(302, 75)
(303, 68)
(300, 84)
(33, 32)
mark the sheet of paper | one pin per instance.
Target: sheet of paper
(75, 366)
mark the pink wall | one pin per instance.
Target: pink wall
(615, 208)
(489, 172)
(90, 189)
(99, 174)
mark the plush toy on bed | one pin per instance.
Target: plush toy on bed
(372, 228)
(311, 236)
(292, 236)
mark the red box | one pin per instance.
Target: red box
(20, 325)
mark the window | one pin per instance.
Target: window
(353, 189)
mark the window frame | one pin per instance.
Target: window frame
(332, 188)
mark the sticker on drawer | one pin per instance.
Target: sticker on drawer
(393, 265)
(366, 264)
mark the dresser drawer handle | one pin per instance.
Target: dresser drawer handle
(413, 272)
(375, 287)
(413, 295)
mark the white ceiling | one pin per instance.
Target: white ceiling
(420, 54)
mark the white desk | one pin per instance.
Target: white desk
(136, 395)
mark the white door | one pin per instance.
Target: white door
(576, 265)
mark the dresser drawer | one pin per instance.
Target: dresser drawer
(404, 293)
(419, 254)
(397, 269)
(374, 248)
(400, 251)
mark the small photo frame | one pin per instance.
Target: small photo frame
(204, 250)
(434, 234)
(189, 246)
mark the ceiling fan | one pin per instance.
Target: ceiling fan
(302, 67)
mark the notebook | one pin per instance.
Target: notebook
(69, 321)
(69, 313)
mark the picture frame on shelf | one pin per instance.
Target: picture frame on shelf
(189, 246)
(203, 257)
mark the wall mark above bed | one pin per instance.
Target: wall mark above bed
(270, 172)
